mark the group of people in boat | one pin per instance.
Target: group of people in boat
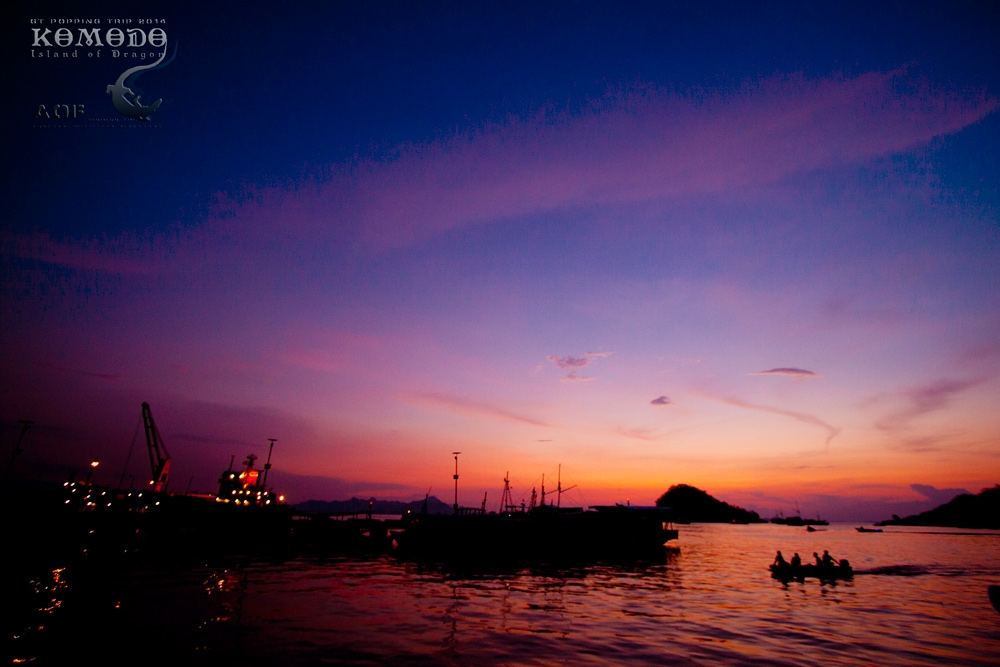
(825, 565)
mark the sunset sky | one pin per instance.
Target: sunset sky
(750, 247)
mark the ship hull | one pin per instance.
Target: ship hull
(536, 534)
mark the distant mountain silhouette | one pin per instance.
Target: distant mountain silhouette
(360, 505)
(981, 510)
(692, 504)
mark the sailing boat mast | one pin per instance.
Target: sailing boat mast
(507, 499)
(560, 489)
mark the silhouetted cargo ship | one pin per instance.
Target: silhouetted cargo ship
(88, 519)
(543, 532)
(527, 532)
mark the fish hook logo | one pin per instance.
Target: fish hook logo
(126, 102)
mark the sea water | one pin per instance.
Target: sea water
(919, 598)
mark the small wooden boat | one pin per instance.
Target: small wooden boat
(862, 529)
(994, 593)
(786, 572)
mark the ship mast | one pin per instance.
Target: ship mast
(507, 499)
(560, 489)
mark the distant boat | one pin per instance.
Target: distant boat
(862, 529)
(813, 530)
(994, 593)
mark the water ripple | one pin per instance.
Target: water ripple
(918, 599)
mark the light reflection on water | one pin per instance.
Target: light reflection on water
(709, 601)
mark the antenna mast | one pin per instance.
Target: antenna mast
(455, 507)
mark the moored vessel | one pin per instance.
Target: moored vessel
(535, 531)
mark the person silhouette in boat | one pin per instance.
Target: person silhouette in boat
(828, 561)
(819, 563)
(796, 562)
(779, 561)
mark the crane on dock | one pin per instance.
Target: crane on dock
(159, 459)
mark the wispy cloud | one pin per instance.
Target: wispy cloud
(805, 418)
(633, 147)
(936, 395)
(108, 377)
(642, 147)
(474, 408)
(925, 399)
(661, 400)
(792, 372)
(574, 364)
(637, 433)
(124, 255)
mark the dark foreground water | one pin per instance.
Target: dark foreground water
(920, 599)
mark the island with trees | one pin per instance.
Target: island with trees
(692, 505)
(980, 510)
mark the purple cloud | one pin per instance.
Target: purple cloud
(636, 147)
(649, 146)
(938, 496)
(568, 362)
(797, 373)
(661, 400)
(936, 395)
(925, 399)
(573, 364)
